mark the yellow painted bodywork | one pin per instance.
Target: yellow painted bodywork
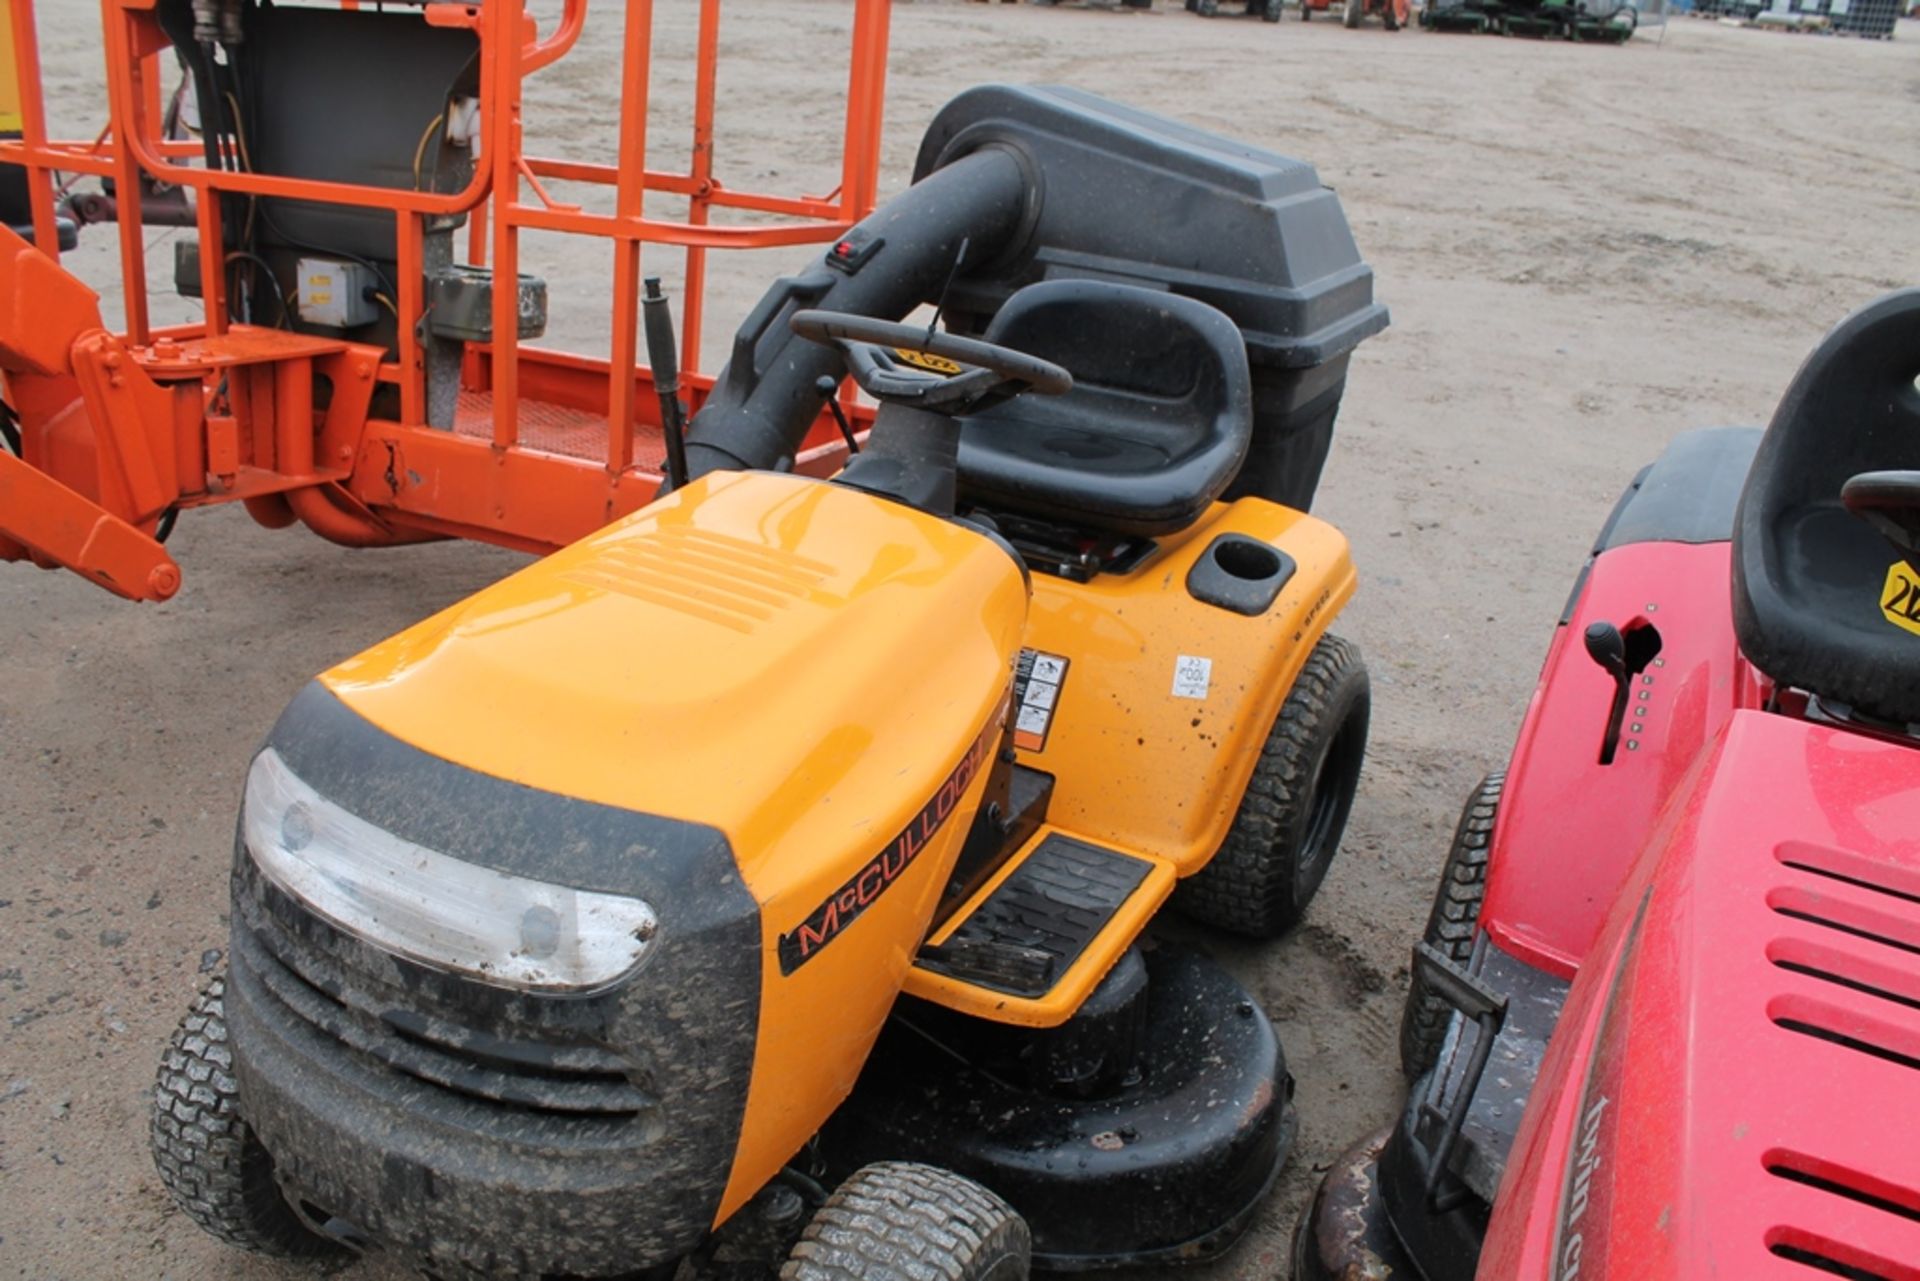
(803, 666)
(1136, 767)
(795, 663)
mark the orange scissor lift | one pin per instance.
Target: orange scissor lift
(119, 432)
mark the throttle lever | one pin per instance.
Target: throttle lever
(1623, 656)
(829, 388)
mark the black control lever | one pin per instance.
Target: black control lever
(1621, 656)
(829, 388)
(665, 359)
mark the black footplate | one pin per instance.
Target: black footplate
(1036, 924)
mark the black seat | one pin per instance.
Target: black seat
(1811, 580)
(1156, 426)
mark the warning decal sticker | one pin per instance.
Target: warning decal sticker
(1036, 694)
(1900, 598)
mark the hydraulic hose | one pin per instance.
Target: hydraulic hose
(766, 397)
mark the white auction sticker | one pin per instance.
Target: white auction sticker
(1192, 676)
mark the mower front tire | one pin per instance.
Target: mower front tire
(209, 1160)
(1451, 925)
(901, 1221)
(1289, 824)
(1355, 10)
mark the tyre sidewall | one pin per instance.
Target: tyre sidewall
(1310, 854)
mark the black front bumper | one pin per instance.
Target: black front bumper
(443, 1175)
(467, 1126)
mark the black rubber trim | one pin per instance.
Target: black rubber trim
(1690, 494)
(1241, 574)
(1579, 590)
(459, 1176)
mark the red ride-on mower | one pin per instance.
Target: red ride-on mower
(1393, 14)
(1665, 1023)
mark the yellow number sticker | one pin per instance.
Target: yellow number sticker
(925, 360)
(1900, 599)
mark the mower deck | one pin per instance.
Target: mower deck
(1167, 1168)
(1344, 1235)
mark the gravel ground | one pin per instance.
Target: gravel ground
(1586, 250)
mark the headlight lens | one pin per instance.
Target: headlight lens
(428, 907)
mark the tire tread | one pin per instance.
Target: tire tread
(207, 1156)
(1243, 888)
(1451, 923)
(903, 1221)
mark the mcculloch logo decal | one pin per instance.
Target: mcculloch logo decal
(826, 922)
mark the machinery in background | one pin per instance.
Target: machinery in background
(1599, 21)
(1393, 14)
(1265, 10)
(357, 198)
(358, 185)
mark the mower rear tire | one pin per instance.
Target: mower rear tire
(1290, 821)
(902, 1221)
(1272, 12)
(1356, 10)
(1451, 925)
(209, 1160)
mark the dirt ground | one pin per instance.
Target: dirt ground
(1586, 250)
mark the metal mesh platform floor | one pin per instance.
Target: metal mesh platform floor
(557, 429)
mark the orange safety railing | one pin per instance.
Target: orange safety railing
(254, 436)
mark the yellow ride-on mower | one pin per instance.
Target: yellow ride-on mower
(770, 873)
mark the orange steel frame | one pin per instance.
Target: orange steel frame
(119, 429)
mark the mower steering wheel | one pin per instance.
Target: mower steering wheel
(878, 356)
